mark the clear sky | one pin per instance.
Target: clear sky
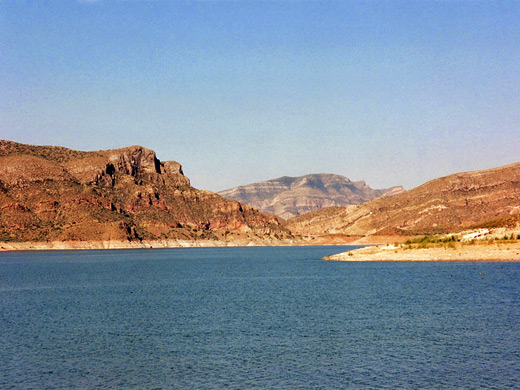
(391, 92)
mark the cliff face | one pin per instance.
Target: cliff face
(288, 197)
(448, 204)
(57, 194)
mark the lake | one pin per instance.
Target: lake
(255, 318)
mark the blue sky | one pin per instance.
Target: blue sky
(391, 92)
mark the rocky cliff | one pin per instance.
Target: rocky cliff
(288, 197)
(57, 194)
(472, 199)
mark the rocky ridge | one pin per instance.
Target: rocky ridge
(448, 204)
(288, 197)
(56, 194)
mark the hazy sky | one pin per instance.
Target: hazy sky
(391, 92)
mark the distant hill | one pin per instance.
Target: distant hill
(52, 193)
(487, 198)
(288, 197)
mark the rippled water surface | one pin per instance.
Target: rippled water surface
(255, 318)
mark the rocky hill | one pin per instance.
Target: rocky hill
(57, 194)
(487, 198)
(288, 197)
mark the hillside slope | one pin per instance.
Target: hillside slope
(447, 204)
(288, 197)
(56, 194)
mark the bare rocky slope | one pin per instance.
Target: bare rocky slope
(288, 197)
(487, 198)
(56, 194)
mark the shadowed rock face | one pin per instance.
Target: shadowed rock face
(53, 193)
(288, 197)
(453, 203)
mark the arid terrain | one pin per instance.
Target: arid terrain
(487, 198)
(479, 245)
(288, 197)
(57, 198)
(126, 197)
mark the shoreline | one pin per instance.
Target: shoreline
(326, 240)
(166, 244)
(461, 252)
(109, 245)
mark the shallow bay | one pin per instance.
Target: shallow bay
(254, 318)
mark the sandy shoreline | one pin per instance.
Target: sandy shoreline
(96, 245)
(477, 252)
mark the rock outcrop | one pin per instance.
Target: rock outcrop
(449, 204)
(56, 194)
(288, 197)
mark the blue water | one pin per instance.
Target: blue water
(255, 318)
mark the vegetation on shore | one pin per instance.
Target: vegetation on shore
(454, 241)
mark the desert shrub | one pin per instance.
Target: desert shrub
(449, 245)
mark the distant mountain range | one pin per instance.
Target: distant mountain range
(288, 197)
(50, 193)
(487, 198)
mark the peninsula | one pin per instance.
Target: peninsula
(489, 246)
